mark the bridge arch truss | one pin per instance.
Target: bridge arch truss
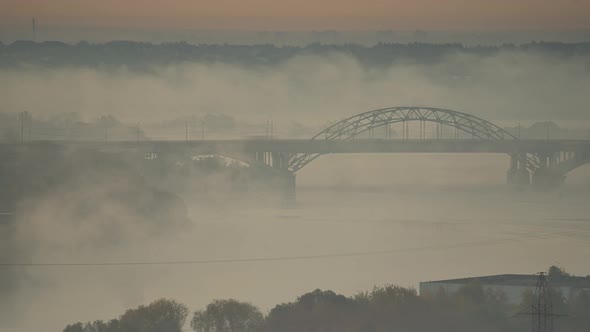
(352, 127)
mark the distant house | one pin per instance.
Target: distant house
(512, 285)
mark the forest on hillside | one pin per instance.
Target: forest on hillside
(141, 55)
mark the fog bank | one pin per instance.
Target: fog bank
(313, 90)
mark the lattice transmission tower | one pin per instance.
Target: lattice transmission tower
(542, 307)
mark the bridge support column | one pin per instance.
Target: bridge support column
(284, 183)
(290, 188)
(547, 176)
(518, 173)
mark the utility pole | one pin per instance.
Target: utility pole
(22, 127)
(186, 130)
(25, 118)
(203, 130)
(104, 120)
(34, 26)
(403, 130)
(271, 128)
(137, 133)
(30, 123)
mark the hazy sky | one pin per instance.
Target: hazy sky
(304, 14)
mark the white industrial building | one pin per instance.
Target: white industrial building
(512, 285)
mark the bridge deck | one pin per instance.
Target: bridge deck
(324, 146)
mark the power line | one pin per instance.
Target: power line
(292, 258)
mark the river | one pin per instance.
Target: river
(356, 223)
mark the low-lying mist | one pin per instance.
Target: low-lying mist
(103, 209)
(314, 89)
(74, 206)
(88, 207)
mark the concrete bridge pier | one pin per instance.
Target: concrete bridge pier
(289, 187)
(280, 162)
(281, 183)
(276, 166)
(518, 174)
(547, 176)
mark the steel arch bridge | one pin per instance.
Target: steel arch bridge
(352, 127)
(542, 163)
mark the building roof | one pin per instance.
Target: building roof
(521, 280)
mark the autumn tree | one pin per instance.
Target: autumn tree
(228, 316)
(162, 315)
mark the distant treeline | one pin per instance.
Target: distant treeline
(68, 126)
(138, 54)
(389, 308)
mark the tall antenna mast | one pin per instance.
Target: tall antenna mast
(34, 26)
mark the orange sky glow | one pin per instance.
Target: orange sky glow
(304, 14)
